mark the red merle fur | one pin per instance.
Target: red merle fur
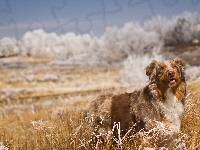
(140, 109)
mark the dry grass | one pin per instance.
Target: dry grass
(191, 118)
(62, 127)
(42, 79)
(55, 121)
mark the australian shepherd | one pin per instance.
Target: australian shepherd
(162, 100)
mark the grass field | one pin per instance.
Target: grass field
(42, 104)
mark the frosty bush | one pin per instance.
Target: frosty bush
(8, 47)
(184, 29)
(181, 29)
(193, 73)
(133, 71)
(41, 44)
(132, 39)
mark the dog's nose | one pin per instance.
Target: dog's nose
(171, 73)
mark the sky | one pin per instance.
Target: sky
(83, 16)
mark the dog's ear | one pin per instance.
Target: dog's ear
(150, 68)
(181, 65)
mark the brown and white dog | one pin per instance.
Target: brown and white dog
(162, 100)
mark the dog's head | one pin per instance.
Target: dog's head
(166, 73)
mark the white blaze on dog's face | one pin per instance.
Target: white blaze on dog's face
(169, 74)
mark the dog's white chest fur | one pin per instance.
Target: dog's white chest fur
(172, 110)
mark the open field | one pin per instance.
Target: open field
(42, 82)
(42, 104)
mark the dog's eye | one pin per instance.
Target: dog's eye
(161, 68)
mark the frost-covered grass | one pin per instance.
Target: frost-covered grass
(63, 127)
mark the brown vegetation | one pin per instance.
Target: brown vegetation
(63, 127)
(56, 120)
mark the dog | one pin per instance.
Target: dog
(161, 100)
